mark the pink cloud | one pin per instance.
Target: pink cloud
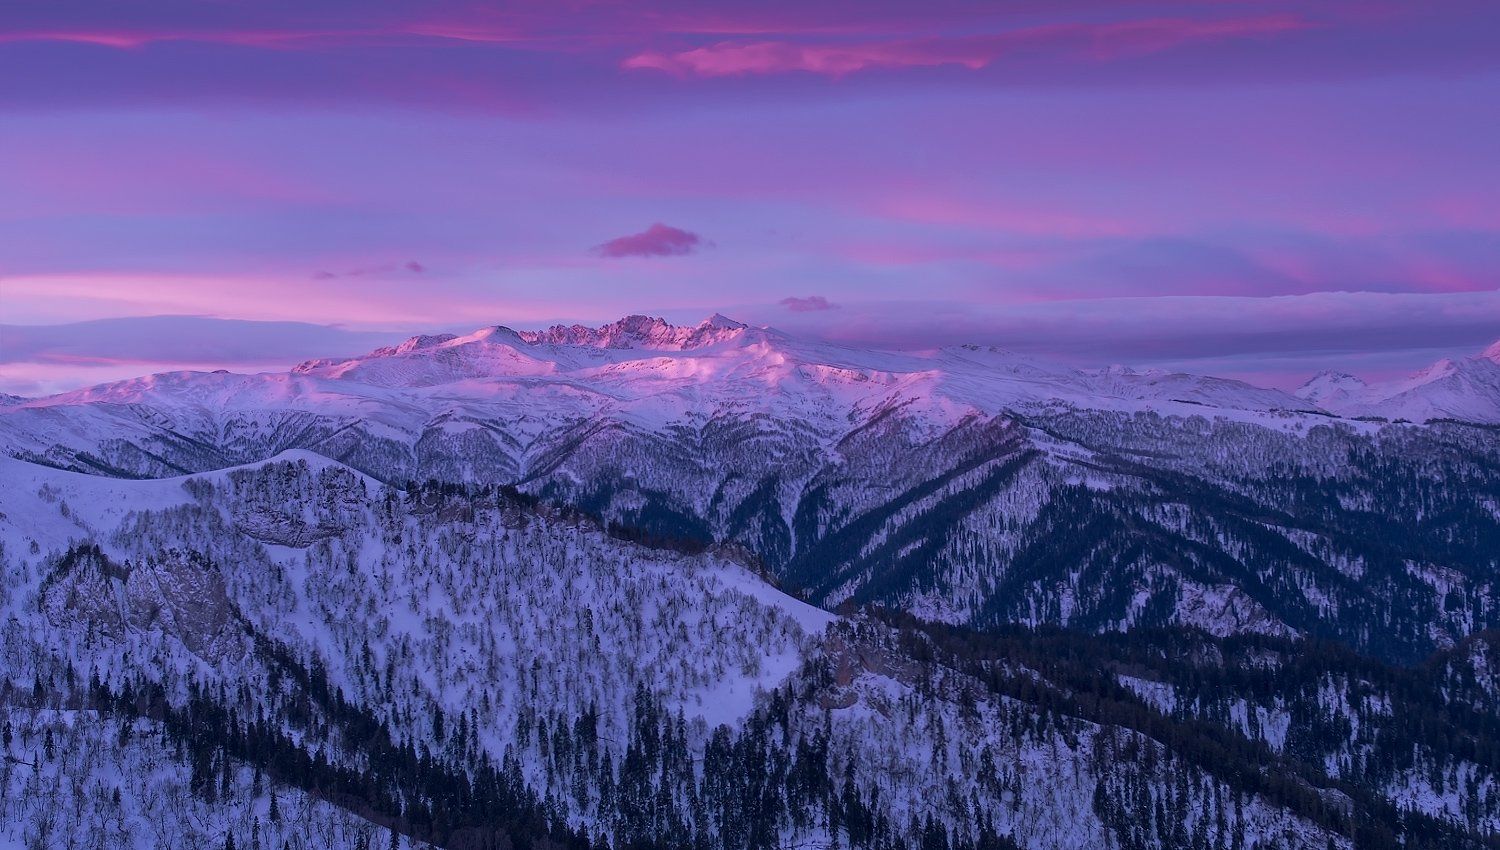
(384, 301)
(772, 57)
(1092, 41)
(1031, 217)
(810, 304)
(658, 240)
(528, 56)
(122, 40)
(1135, 38)
(128, 39)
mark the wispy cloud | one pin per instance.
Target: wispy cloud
(810, 304)
(408, 267)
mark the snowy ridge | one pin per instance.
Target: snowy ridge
(486, 630)
(644, 332)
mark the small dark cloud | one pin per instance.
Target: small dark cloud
(408, 267)
(810, 304)
(658, 240)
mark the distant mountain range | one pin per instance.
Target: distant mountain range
(640, 357)
(1467, 389)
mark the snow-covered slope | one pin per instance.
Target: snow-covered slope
(412, 605)
(300, 517)
(128, 789)
(178, 638)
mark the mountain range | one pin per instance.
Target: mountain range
(1464, 389)
(646, 585)
(937, 482)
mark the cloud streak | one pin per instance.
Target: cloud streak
(383, 270)
(175, 340)
(1100, 42)
(810, 304)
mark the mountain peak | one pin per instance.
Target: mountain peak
(723, 322)
(641, 332)
(1331, 386)
(1493, 352)
(1333, 376)
(414, 343)
(1440, 369)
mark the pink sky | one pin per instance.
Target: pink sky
(389, 166)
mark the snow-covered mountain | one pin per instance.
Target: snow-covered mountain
(1332, 390)
(1466, 389)
(577, 588)
(291, 653)
(969, 484)
(652, 373)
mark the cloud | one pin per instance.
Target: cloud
(1313, 330)
(408, 267)
(135, 39)
(810, 304)
(658, 240)
(530, 56)
(1260, 263)
(838, 58)
(181, 340)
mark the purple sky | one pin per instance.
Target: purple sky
(1252, 188)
